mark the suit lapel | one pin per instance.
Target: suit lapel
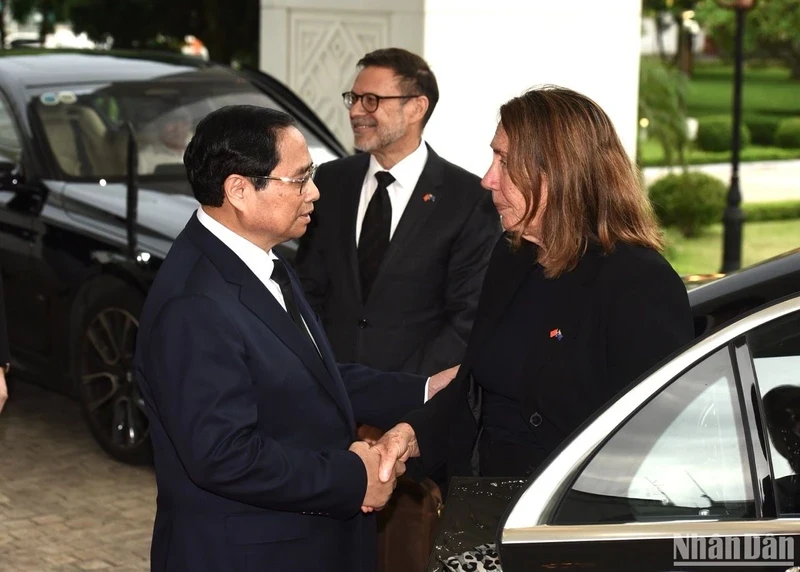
(337, 389)
(255, 296)
(417, 211)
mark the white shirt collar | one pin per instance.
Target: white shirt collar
(407, 172)
(255, 257)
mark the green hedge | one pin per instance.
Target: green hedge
(779, 210)
(688, 201)
(762, 128)
(714, 133)
(787, 135)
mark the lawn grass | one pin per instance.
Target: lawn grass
(703, 255)
(651, 154)
(765, 90)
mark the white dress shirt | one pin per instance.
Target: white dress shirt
(406, 174)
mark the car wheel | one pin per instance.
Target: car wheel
(103, 351)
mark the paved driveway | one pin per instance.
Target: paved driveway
(64, 505)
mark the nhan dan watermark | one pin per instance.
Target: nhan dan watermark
(717, 550)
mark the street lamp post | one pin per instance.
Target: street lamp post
(733, 218)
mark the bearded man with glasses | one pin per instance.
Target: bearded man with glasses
(394, 257)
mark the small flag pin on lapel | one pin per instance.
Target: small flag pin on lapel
(429, 197)
(556, 334)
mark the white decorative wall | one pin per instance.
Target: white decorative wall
(313, 46)
(324, 47)
(483, 52)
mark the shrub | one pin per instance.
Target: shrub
(762, 128)
(788, 133)
(778, 210)
(688, 201)
(714, 134)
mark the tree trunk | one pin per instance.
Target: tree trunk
(3, 10)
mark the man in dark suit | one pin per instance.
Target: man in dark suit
(252, 421)
(394, 260)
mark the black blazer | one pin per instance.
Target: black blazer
(619, 314)
(421, 307)
(250, 425)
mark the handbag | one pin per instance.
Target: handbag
(469, 524)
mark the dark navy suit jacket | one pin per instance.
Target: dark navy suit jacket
(250, 425)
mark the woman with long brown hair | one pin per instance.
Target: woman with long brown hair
(576, 304)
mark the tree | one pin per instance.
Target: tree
(667, 13)
(52, 11)
(228, 28)
(771, 30)
(662, 102)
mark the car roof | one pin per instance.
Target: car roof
(767, 280)
(39, 68)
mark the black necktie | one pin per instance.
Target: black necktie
(281, 276)
(374, 239)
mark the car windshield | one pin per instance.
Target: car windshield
(85, 125)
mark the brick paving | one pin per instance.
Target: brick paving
(65, 505)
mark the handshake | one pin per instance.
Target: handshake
(385, 459)
(385, 462)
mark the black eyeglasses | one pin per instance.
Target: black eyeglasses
(370, 101)
(295, 180)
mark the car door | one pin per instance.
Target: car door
(16, 238)
(679, 473)
(774, 352)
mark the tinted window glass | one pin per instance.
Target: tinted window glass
(775, 348)
(85, 125)
(10, 145)
(682, 456)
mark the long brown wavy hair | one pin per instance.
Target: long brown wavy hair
(594, 192)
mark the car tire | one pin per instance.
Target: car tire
(103, 347)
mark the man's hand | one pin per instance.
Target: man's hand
(397, 444)
(378, 491)
(3, 389)
(440, 380)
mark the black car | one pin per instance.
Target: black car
(92, 194)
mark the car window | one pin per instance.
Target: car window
(86, 125)
(10, 144)
(681, 456)
(775, 348)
